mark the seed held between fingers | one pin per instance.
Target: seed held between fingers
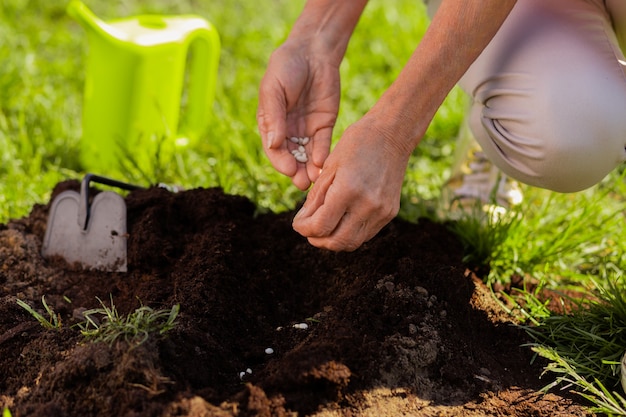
(301, 157)
(300, 153)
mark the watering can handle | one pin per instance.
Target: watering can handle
(204, 45)
(84, 207)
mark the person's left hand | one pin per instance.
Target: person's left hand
(298, 97)
(357, 192)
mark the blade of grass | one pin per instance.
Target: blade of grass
(52, 322)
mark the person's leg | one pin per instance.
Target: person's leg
(473, 178)
(549, 95)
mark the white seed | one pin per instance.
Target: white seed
(269, 351)
(301, 157)
(300, 153)
(249, 371)
(301, 326)
(241, 375)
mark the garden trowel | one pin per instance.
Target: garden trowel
(89, 231)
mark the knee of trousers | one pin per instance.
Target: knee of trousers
(565, 139)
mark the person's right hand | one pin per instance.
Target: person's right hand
(358, 192)
(298, 97)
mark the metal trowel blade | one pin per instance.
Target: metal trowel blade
(102, 245)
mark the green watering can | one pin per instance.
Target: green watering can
(141, 72)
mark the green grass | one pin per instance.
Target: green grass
(585, 347)
(574, 241)
(42, 78)
(567, 236)
(105, 324)
(52, 321)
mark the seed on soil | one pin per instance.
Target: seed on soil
(244, 373)
(301, 326)
(269, 351)
(483, 378)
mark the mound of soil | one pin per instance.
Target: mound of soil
(398, 327)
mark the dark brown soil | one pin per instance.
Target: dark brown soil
(399, 327)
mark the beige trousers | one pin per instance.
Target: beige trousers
(549, 92)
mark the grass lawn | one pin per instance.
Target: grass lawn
(574, 241)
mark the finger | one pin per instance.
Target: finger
(315, 198)
(354, 229)
(283, 161)
(318, 151)
(320, 146)
(322, 210)
(271, 113)
(271, 120)
(313, 171)
(301, 179)
(351, 232)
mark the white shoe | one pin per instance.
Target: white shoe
(477, 182)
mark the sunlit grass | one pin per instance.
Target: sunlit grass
(41, 85)
(586, 345)
(565, 235)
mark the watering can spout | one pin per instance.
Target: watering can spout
(83, 15)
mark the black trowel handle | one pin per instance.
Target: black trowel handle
(84, 207)
(106, 181)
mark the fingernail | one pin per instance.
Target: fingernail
(270, 140)
(301, 213)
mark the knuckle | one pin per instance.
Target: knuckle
(380, 207)
(321, 227)
(349, 191)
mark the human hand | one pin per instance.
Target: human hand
(358, 191)
(298, 97)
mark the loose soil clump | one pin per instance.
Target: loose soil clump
(398, 327)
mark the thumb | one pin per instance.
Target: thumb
(271, 115)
